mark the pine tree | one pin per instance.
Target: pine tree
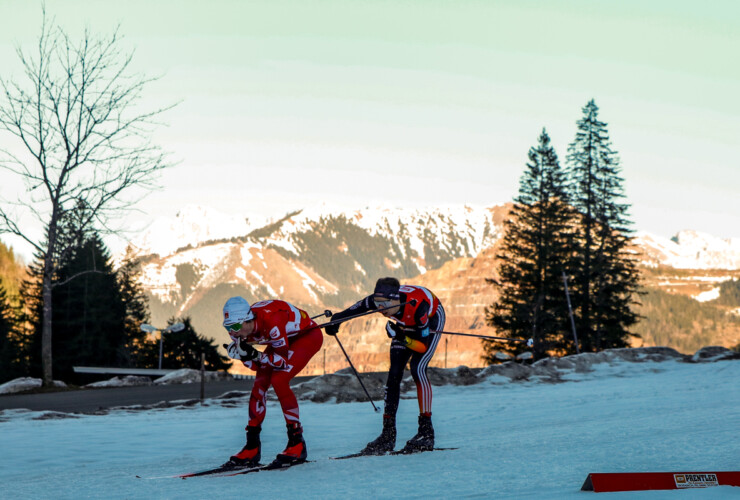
(89, 314)
(11, 360)
(88, 311)
(606, 280)
(137, 309)
(536, 250)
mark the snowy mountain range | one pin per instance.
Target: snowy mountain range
(690, 250)
(195, 226)
(326, 257)
(192, 225)
(315, 258)
(327, 249)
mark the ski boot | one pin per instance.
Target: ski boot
(295, 452)
(250, 454)
(387, 439)
(424, 439)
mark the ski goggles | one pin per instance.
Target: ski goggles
(234, 327)
(382, 304)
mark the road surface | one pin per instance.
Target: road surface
(91, 400)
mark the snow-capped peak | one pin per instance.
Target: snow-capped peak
(191, 225)
(690, 249)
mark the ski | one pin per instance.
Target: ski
(232, 470)
(237, 471)
(411, 452)
(222, 470)
(360, 454)
(397, 452)
(225, 470)
(275, 465)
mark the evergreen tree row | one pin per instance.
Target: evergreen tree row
(569, 230)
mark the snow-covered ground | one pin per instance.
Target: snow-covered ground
(527, 439)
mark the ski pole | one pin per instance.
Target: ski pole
(530, 342)
(356, 374)
(326, 313)
(340, 321)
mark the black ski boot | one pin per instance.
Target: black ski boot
(250, 454)
(295, 452)
(387, 439)
(424, 439)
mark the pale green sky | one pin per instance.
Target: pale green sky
(425, 102)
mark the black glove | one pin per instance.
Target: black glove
(395, 331)
(241, 350)
(332, 329)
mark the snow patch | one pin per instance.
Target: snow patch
(188, 376)
(25, 384)
(712, 294)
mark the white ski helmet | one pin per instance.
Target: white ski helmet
(237, 310)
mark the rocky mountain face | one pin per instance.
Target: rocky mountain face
(327, 258)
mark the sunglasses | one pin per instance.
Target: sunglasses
(382, 304)
(234, 327)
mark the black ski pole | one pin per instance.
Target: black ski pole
(356, 374)
(326, 313)
(340, 321)
(530, 342)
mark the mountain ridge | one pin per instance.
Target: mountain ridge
(317, 260)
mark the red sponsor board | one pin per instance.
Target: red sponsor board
(638, 481)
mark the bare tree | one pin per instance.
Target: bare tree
(79, 138)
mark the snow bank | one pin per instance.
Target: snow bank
(127, 381)
(343, 386)
(713, 353)
(189, 376)
(25, 384)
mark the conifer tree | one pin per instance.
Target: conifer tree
(536, 250)
(606, 279)
(11, 359)
(137, 309)
(89, 311)
(87, 305)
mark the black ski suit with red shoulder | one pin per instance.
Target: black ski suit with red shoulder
(419, 317)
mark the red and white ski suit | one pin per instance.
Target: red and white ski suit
(291, 343)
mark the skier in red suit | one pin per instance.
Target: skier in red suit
(291, 343)
(415, 314)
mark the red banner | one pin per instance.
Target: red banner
(637, 481)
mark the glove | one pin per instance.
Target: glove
(395, 331)
(332, 329)
(241, 350)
